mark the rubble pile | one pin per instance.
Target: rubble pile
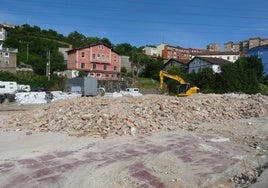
(107, 116)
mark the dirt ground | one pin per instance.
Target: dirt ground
(226, 153)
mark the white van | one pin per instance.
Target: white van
(8, 87)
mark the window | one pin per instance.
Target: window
(6, 62)
(98, 56)
(104, 67)
(94, 66)
(93, 56)
(6, 54)
(114, 58)
(103, 57)
(107, 57)
(115, 68)
(83, 54)
(98, 75)
(83, 65)
(107, 75)
(101, 47)
(228, 58)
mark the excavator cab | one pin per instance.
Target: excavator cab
(183, 88)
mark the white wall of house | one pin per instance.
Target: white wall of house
(197, 65)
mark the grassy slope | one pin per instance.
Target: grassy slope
(151, 86)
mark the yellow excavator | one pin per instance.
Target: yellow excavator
(184, 88)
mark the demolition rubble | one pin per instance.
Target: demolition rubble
(205, 140)
(108, 116)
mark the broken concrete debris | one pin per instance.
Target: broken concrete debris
(108, 116)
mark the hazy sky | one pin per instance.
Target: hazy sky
(186, 23)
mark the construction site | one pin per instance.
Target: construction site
(203, 140)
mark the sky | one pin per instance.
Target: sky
(185, 23)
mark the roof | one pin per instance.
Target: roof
(212, 60)
(217, 53)
(176, 60)
(91, 45)
(259, 47)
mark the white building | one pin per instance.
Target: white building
(228, 56)
(151, 51)
(3, 34)
(198, 63)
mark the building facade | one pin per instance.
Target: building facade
(179, 53)
(150, 51)
(261, 52)
(125, 62)
(8, 59)
(97, 60)
(245, 45)
(197, 64)
(213, 47)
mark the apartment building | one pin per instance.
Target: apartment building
(177, 52)
(8, 59)
(245, 45)
(97, 60)
(213, 47)
(262, 53)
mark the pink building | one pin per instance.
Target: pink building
(97, 60)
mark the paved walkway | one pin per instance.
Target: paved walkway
(167, 159)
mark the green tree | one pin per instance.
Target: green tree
(138, 59)
(77, 39)
(124, 49)
(204, 79)
(152, 68)
(250, 70)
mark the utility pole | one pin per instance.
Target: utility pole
(27, 51)
(48, 66)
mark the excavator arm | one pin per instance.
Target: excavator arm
(163, 74)
(184, 88)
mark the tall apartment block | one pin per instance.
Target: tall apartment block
(245, 45)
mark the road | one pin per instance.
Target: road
(181, 158)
